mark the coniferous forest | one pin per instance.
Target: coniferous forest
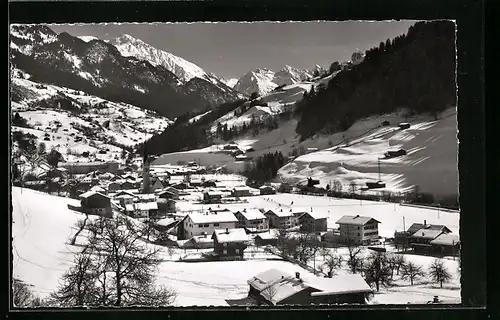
(414, 71)
(265, 167)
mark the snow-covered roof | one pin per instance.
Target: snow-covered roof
(92, 193)
(214, 193)
(231, 235)
(447, 239)
(241, 188)
(271, 234)
(165, 221)
(97, 189)
(146, 196)
(345, 283)
(202, 239)
(427, 233)
(146, 206)
(266, 187)
(124, 196)
(280, 212)
(264, 279)
(252, 214)
(213, 217)
(355, 220)
(316, 215)
(124, 192)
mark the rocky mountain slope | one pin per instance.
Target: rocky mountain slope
(97, 67)
(264, 81)
(195, 80)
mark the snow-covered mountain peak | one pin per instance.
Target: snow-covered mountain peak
(183, 69)
(87, 38)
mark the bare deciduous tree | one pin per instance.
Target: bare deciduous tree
(121, 266)
(22, 297)
(411, 271)
(355, 259)
(377, 270)
(438, 272)
(332, 263)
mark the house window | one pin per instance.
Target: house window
(225, 251)
(224, 245)
(237, 250)
(216, 224)
(358, 234)
(358, 229)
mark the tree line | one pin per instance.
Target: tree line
(377, 268)
(414, 71)
(265, 167)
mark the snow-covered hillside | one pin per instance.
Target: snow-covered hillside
(430, 163)
(101, 127)
(231, 82)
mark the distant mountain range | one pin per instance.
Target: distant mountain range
(123, 70)
(264, 81)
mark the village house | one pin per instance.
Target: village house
(267, 190)
(96, 203)
(169, 193)
(446, 244)
(404, 239)
(267, 238)
(166, 205)
(114, 186)
(146, 197)
(281, 219)
(195, 182)
(196, 223)
(313, 222)
(99, 189)
(241, 192)
(157, 185)
(124, 199)
(358, 230)
(275, 287)
(212, 197)
(230, 244)
(142, 209)
(253, 220)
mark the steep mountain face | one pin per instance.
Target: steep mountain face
(264, 81)
(197, 82)
(289, 75)
(260, 81)
(98, 68)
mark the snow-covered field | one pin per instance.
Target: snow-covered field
(42, 225)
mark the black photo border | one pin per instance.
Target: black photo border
(469, 17)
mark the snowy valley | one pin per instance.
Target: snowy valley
(259, 201)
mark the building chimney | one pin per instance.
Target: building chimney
(227, 230)
(297, 275)
(357, 216)
(435, 300)
(425, 223)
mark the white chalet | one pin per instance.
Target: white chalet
(281, 219)
(196, 224)
(252, 219)
(358, 230)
